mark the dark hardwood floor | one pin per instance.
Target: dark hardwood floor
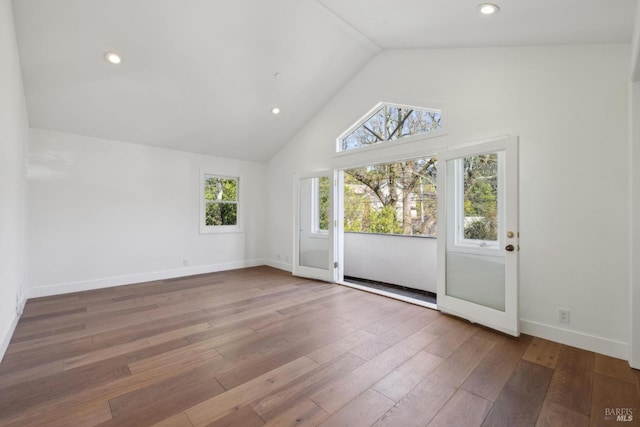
(259, 347)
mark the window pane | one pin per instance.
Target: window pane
(210, 185)
(221, 214)
(212, 216)
(421, 122)
(323, 203)
(370, 132)
(223, 189)
(229, 213)
(229, 189)
(392, 122)
(481, 197)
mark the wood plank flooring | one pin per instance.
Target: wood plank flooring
(258, 347)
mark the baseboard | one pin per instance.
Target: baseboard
(581, 340)
(87, 285)
(6, 339)
(279, 265)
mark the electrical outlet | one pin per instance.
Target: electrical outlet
(278, 257)
(185, 262)
(564, 315)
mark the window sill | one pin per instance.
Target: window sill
(386, 145)
(318, 235)
(220, 229)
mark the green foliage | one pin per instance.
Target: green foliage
(481, 229)
(356, 210)
(323, 196)
(221, 214)
(221, 189)
(469, 210)
(385, 221)
(221, 195)
(481, 197)
(395, 198)
(400, 197)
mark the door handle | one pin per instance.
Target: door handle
(509, 248)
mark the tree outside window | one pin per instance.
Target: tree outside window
(220, 200)
(401, 197)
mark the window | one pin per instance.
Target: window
(389, 123)
(478, 200)
(320, 205)
(219, 211)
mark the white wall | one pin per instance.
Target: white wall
(105, 213)
(568, 105)
(634, 235)
(634, 195)
(13, 142)
(370, 256)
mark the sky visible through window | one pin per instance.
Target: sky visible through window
(392, 122)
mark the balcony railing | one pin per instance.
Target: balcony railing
(396, 259)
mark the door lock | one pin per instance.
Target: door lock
(509, 248)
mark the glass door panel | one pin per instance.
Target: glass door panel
(478, 217)
(313, 252)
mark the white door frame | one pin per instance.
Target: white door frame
(506, 321)
(328, 274)
(339, 233)
(441, 151)
(634, 225)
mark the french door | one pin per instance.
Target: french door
(478, 233)
(313, 252)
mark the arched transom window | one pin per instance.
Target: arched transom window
(390, 122)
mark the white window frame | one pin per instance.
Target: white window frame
(315, 209)
(457, 241)
(208, 229)
(385, 144)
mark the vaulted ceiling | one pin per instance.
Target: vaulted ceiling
(203, 75)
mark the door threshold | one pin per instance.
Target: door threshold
(387, 294)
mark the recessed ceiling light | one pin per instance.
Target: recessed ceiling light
(113, 57)
(488, 8)
(275, 110)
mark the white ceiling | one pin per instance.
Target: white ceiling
(198, 75)
(457, 23)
